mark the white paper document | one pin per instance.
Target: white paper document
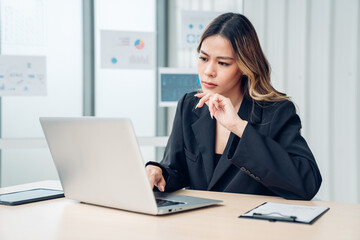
(127, 50)
(286, 212)
(22, 75)
(193, 23)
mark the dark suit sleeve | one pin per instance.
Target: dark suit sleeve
(173, 164)
(280, 160)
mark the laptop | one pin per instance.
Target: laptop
(99, 162)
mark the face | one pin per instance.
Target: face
(217, 67)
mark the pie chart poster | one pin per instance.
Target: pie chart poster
(127, 50)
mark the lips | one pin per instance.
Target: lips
(208, 84)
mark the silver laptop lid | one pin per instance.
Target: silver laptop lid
(98, 161)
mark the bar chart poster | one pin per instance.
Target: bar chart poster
(193, 24)
(22, 75)
(127, 50)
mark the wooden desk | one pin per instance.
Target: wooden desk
(67, 219)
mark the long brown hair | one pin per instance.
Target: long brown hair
(251, 60)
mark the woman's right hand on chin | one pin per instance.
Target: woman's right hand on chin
(155, 177)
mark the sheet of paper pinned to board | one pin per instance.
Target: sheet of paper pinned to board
(22, 75)
(286, 212)
(193, 23)
(127, 50)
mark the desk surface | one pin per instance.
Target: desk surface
(68, 219)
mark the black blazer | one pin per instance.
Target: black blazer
(271, 158)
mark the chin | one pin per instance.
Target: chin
(206, 90)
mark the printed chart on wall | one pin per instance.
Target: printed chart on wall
(193, 23)
(23, 25)
(22, 75)
(127, 50)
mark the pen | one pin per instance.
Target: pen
(270, 217)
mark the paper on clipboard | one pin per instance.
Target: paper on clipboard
(286, 212)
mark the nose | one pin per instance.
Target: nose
(210, 70)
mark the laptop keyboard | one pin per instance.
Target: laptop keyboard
(164, 203)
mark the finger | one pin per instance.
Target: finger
(215, 99)
(200, 95)
(161, 184)
(218, 103)
(221, 101)
(151, 172)
(152, 180)
(216, 106)
(203, 100)
(213, 112)
(211, 107)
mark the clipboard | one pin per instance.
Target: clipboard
(286, 212)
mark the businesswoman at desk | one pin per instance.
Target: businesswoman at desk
(238, 134)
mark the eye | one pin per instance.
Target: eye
(223, 64)
(203, 59)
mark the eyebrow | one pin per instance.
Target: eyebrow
(219, 57)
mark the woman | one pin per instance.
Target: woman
(239, 134)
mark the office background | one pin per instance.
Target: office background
(312, 46)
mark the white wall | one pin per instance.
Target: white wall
(129, 93)
(313, 48)
(56, 31)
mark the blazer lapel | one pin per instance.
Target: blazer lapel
(249, 111)
(204, 131)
